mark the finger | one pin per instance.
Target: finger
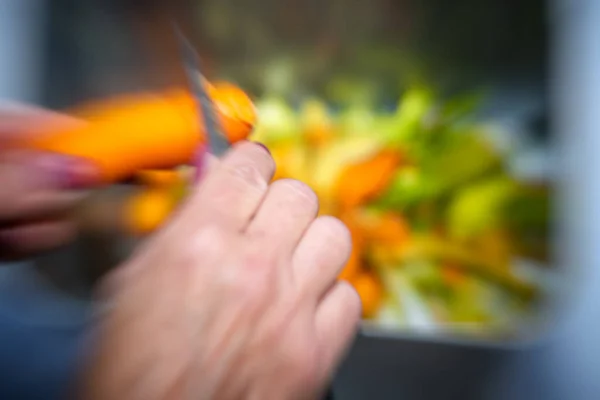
(232, 190)
(284, 215)
(39, 237)
(22, 171)
(19, 121)
(337, 320)
(321, 254)
(38, 184)
(39, 206)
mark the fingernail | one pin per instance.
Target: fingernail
(80, 174)
(65, 172)
(263, 146)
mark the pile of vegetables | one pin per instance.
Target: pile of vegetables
(436, 219)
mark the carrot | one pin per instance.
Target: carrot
(124, 135)
(452, 276)
(370, 291)
(385, 228)
(147, 210)
(159, 177)
(354, 266)
(362, 181)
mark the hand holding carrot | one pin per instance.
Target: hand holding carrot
(128, 134)
(37, 189)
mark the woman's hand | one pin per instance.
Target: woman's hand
(38, 191)
(236, 298)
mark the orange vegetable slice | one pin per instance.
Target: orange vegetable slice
(354, 265)
(452, 275)
(362, 181)
(159, 177)
(146, 211)
(387, 228)
(370, 291)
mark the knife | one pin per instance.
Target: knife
(217, 142)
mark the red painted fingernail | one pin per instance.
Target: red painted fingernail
(65, 172)
(80, 173)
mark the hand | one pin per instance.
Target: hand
(236, 298)
(37, 190)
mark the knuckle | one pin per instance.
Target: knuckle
(248, 174)
(208, 244)
(254, 151)
(250, 163)
(334, 232)
(300, 191)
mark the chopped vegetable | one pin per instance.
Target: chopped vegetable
(147, 210)
(363, 181)
(435, 219)
(370, 291)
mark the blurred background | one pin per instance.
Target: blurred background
(455, 138)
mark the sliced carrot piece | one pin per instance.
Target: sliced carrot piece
(159, 177)
(370, 290)
(384, 227)
(354, 264)
(452, 275)
(362, 181)
(147, 210)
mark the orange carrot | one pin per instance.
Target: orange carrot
(127, 134)
(385, 228)
(370, 291)
(354, 265)
(159, 177)
(452, 275)
(362, 181)
(147, 210)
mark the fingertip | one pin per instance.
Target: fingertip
(335, 231)
(322, 254)
(351, 298)
(255, 151)
(59, 171)
(36, 238)
(79, 174)
(337, 321)
(263, 146)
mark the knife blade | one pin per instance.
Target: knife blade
(217, 142)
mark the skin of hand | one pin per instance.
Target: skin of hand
(236, 297)
(37, 190)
